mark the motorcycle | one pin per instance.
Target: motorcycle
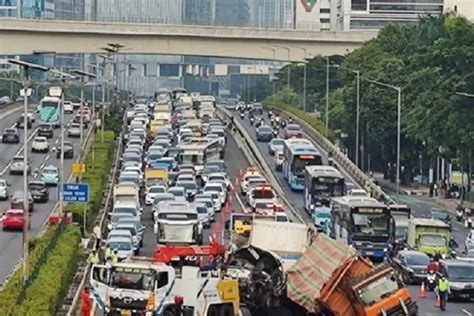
(459, 215)
(468, 222)
(275, 133)
(283, 124)
(242, 115)
(431, 280)
(251, 120)
(259, 123)
(270, 114)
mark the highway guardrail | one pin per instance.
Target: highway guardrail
(257, 157)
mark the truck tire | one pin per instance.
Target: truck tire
(212, 311)
(226, 310)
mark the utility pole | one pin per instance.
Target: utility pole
(327, 96)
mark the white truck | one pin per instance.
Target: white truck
(143, 287)
(285, 239)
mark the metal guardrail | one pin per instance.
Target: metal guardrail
(340, 158)
(260, 161)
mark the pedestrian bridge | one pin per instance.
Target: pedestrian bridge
(27, 36)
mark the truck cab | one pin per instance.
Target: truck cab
(429, 236)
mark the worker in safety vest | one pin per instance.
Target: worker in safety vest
(114, 256)
(107, 252)
(443, 290)
(93, 257)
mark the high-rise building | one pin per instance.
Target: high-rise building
(199, 12)
(272, 13)
(375, 14)
(316, 15)
(231, 13)
(463, 7)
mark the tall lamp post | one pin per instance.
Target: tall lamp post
(59, 92)
(273, 62)
(399, 124)
(104, 87)
(26, 92)
(304, 74)
(357, 73)
(289, 72)
(327, 96)
(83, 76)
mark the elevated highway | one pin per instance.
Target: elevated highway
(26, 36)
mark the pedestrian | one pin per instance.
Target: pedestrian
(97, 235)
(435, 188)
(85, 302)
(443, 290)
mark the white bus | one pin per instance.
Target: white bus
(199, 154)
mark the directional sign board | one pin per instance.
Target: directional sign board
(76, 192)
(78, 168)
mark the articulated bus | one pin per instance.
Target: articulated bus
(364, 223)
(49, 111)
(297, 154)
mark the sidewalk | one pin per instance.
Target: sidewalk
(449, 204)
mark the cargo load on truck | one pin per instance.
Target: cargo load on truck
(333, 279)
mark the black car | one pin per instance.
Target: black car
(10, 135)
(411, 265)
(39, 191)
(264, 133)
(68, 150)
(16, 201)
(46, 130)
(20, 121)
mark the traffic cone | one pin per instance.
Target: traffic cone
(438, 301)
(422, 293)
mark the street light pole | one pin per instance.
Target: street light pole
(357, 118)
(399, 124)
(304, 74)
(289, 73)
(27, 68)
(327, 96)
(273, 66)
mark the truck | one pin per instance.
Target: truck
(139, 286)
(401, 215)
(331, 278)
(429, 236)
(155, 176)
(126, 192)
(287, 240)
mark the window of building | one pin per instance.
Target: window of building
(169, 70)
(325, 10)
(405, 8)
(324, 20)
(359, 5)
(233, 69)
(151, 70)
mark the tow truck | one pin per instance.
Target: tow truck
(149, 286)
(241, 223)
(261, 194)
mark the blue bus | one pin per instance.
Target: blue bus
(322, 183)
(363, 223)
(49, 110)
(297, 154)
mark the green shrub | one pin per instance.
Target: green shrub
(45, 295)
(10, 292)
(98, 164)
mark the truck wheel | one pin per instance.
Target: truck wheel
(212, 311)
(226, 310)
(169, 312)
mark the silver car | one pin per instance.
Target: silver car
(16, 166)
(4, 189)
(74, 130)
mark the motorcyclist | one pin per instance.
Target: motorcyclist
(432, 266)
(270, 114)
(290, 120)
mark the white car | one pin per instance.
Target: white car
(469, 240)
(357, 192)
(3, 189)
(219, 188)
(261, 194)
(68, 107)
(134, 169)
(152, 192)
(204, 214)
(246, 178)
(74, 130)
(178, 192)
(275, 145)
(40, 144)
(207, 200)
(219, 177)
(279, 161)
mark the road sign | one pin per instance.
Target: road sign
(78, 168)
(76, 192)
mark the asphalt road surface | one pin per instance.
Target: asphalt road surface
(420, 208)
(11, 241)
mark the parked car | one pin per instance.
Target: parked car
(68, 150)
(13, 220)
(40, 144)
(10, 136)
(16, 201)
(16, 166)
(50, 175)
(46, 130)
(39, 191)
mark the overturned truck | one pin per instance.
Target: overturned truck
(333, 279)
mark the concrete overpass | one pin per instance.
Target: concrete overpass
(26, 36)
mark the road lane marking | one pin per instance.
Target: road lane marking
(466, 312)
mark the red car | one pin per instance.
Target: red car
(293, 130)
(13, 220)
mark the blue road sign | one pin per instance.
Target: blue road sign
(76, 192)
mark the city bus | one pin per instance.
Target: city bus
(363, 223)
(49, 110)
(321, 184)
(297, 154)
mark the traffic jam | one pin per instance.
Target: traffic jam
(44, 153)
